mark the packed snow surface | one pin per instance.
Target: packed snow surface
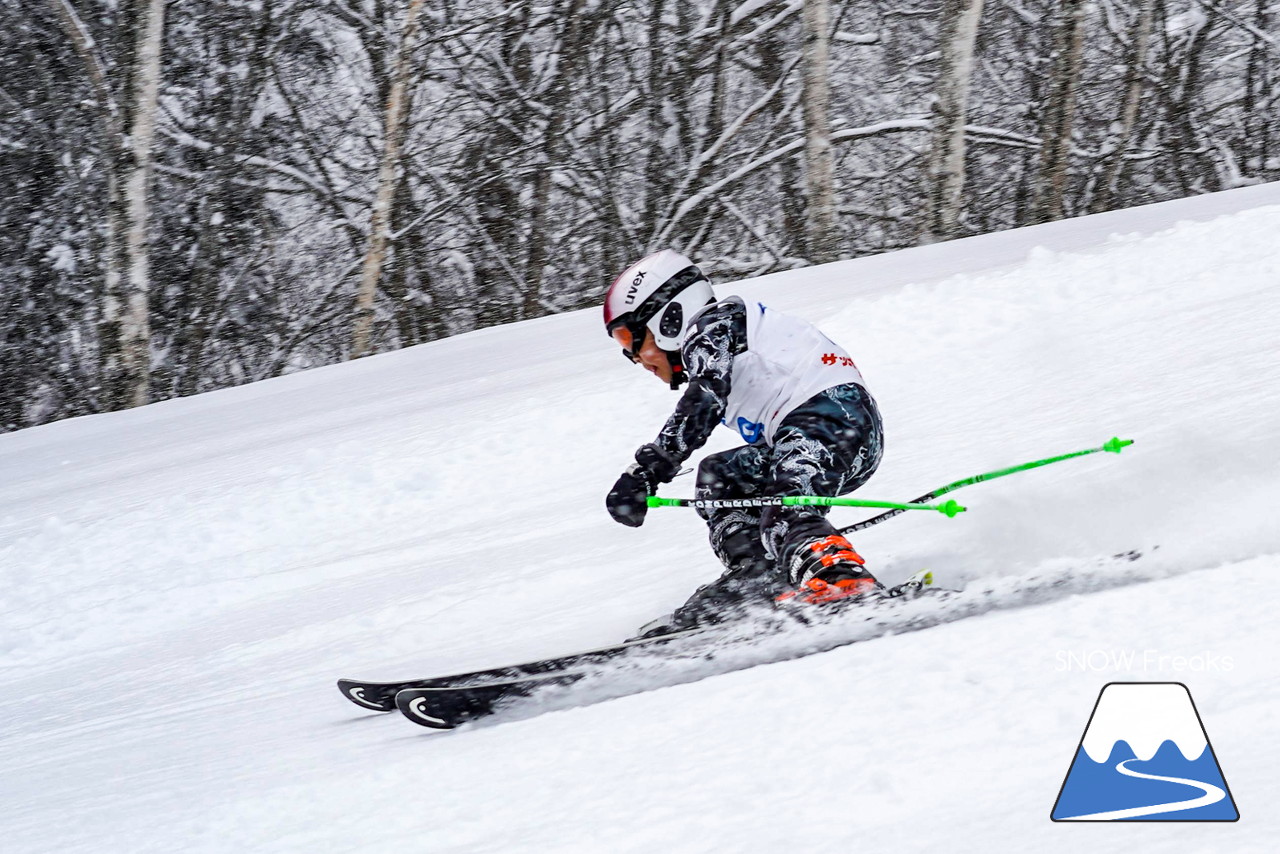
(182, 584)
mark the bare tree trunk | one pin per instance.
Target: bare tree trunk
(775, 64)
(124, 325)
(135, 318)
(1256, 85)
(558, 96)
(393, 126)
(411, 288)
(657, 172)
(1196, 167)
(1060, 108)
(1122, 131)
(945, 173)
(821, 236)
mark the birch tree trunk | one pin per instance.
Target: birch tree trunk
(124, 327)
(821, 236)
(134, 388)
(1060, 107)
(945, 172)
(393, 126)
(1122, 131)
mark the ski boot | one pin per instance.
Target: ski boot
(750, 578)
(830, 570)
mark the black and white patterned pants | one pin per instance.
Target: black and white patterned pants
(829, 445)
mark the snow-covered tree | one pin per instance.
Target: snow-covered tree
(945, 172)
(210, 192)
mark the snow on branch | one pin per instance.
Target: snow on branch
(847, 134)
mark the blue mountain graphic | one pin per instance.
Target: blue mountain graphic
(1098, 787)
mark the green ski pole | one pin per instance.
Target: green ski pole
(948, 508)
(1114, 446)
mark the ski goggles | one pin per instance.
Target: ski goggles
(637, 331)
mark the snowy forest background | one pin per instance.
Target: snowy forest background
(202, 193)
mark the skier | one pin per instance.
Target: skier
(795, 397)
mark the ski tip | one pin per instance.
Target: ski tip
(361, 694)
(414, 705)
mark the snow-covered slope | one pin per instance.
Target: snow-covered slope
(181, 584)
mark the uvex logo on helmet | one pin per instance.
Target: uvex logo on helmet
(659, 296)
(634, 288)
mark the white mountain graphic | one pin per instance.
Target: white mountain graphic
(1145, 715)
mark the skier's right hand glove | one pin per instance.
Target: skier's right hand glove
(627, 501)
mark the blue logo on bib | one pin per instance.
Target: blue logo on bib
(750, 430)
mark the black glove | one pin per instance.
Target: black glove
(626, 501)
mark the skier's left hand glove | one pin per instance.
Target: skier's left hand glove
(627, 501)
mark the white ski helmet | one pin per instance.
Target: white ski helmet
(661, 293)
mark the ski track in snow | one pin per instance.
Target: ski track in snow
(181, 584)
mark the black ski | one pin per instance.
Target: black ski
(445, 702)
(451, 701)
(381, 696)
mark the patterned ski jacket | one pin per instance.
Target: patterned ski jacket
(748, 368)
